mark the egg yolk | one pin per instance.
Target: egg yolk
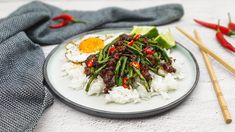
(91, 45)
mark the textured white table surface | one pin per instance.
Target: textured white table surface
(200, 112)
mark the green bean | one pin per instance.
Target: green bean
(145, 61)
(130, 73)
(96, 73)
(146, 85)
(104, 60)
(100, 55)
(139, 43)
(123, 65)
(99, 69)
(92, 70)
(89, 83)
(140, 53)
(150, 82)
(156, 46)
(156, 71)
(128, 67)
(122, 70)
(137, 47)
(135, 75)
(151, 41)
(135, 50)
(107, 47)
(165, 56)
(118, 66)
(119, 81)
(155, 54)
(163, 52)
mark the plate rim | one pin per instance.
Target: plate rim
(110, 114)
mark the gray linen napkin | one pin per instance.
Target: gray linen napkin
(23, 96)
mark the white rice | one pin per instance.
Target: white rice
(122, 95)
(97, 86)
(163, 85)
(74, 73)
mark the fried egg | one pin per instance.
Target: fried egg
(78, 51)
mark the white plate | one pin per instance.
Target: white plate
(96, 105)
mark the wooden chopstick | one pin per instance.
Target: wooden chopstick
(208, 51)
(220, 97)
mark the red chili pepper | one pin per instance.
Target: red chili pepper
(149, 51)
(112, 49)
(135, 64)
(137, 36)
(131, 43)
(59, 25)
(223, 41)
(125, 80)
(66, 19)
(90, 63)
(231, 25)
(223, 29)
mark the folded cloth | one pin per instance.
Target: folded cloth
(23, 96)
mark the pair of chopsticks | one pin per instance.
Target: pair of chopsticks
(205, 52)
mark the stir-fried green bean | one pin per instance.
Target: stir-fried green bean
(96, 73)
(104, 60)
(89, 82)
(139, 43)
(100, 55)
(123, 66)
(146, 85)
(137, 47)
(163, 52)
(130, 73)
(155, 70)
(118, 66)
(135, 50)
(146, 60)
(106, 48)
(165, 56)
(124, 59)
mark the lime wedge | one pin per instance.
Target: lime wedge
(166, 40)
(148, 31)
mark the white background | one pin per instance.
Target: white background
(200, 112)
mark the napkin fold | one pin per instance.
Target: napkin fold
(23, 96)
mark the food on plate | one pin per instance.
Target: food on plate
(124, 67)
